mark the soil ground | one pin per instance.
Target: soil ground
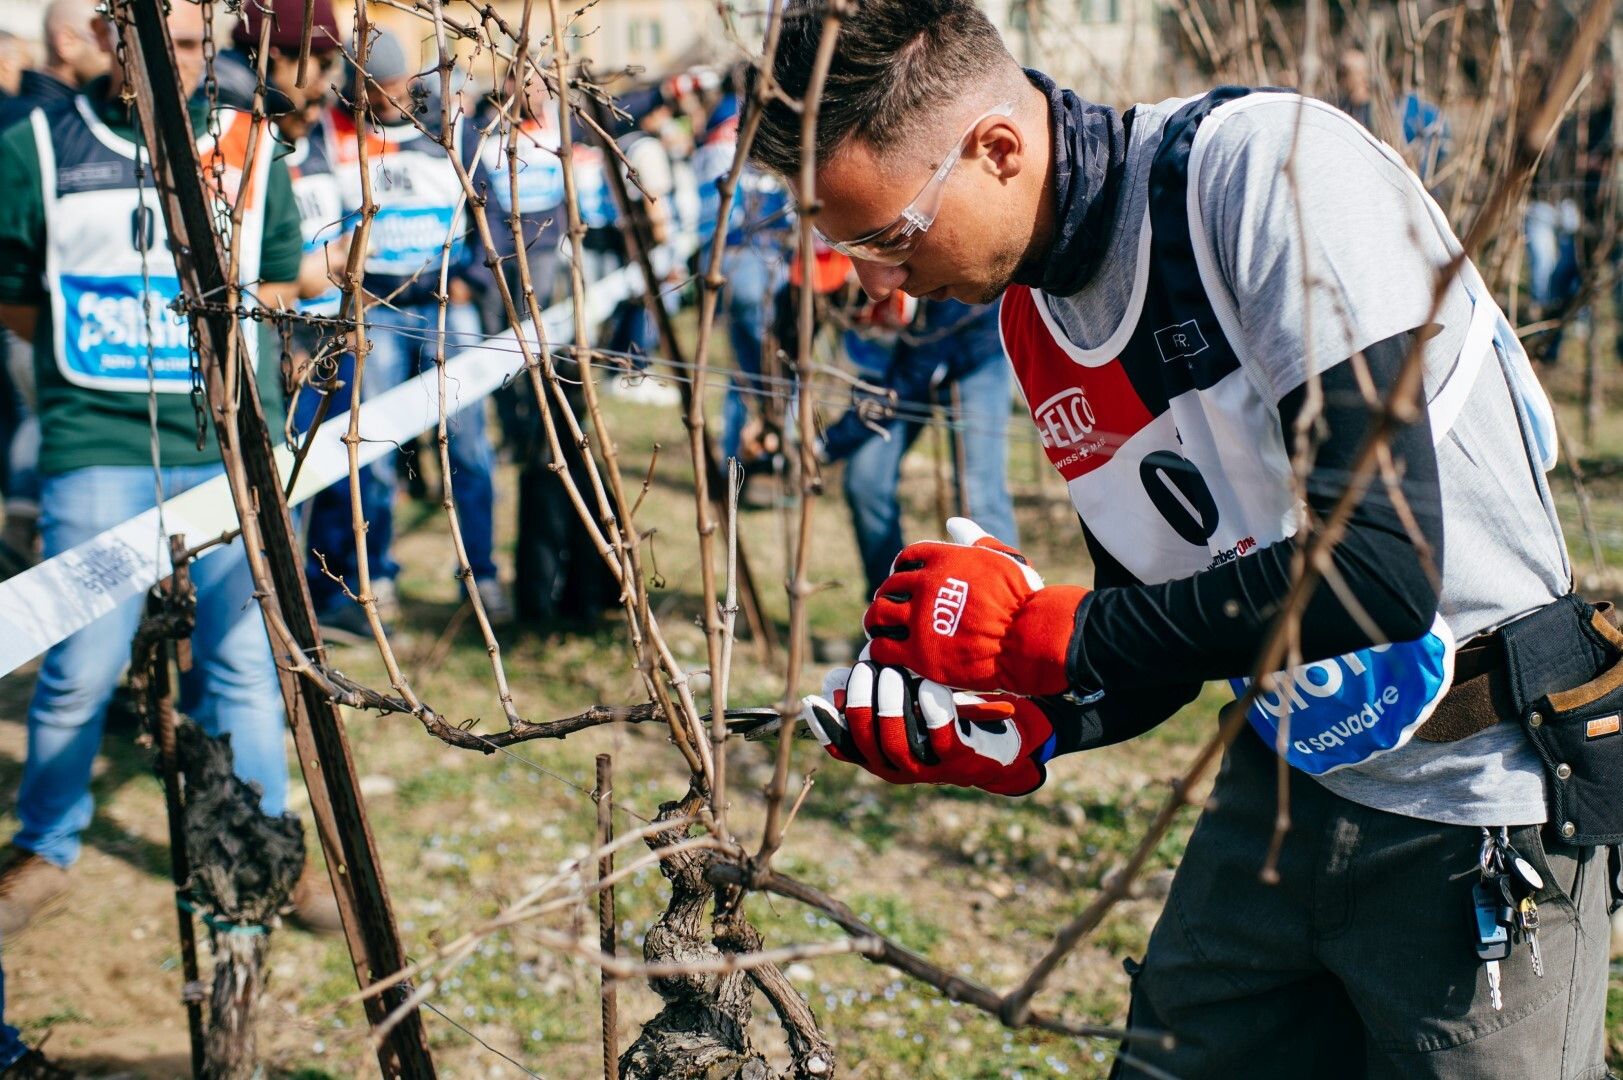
(978, 883)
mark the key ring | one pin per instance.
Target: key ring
(1488, 855)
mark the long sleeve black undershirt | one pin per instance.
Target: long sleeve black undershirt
(1149, 647)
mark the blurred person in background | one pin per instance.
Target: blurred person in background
(943, 354)
(529, 140)
(298, 115)
(540, 179)
(1570, 207)
(759, 234)
(633, 335)
(1413, 125)
(1551, 227)
(236, 67)
(81, 282)
(419, 202)
(72, 59)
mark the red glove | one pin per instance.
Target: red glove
(972, 614)
(908, 730)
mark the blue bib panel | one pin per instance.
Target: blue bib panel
(540, 170)
(1175, 462)
(1348, 709)
(409, 239)
(110, 272)
(102, 329)
(592, 193)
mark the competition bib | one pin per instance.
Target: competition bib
(107, 323)
(597, 209)
(1177, 464)
(408, 239)
(109, 268)
(1350, 708)
(321, 208)
(415, 188)
(540, 172)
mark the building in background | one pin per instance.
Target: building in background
(1111, 51)
(651, 37)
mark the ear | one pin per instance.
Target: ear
(1001, 142)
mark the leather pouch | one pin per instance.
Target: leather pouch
(1565, 663)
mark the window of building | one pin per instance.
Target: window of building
(1098, 11)
(656, 33)
(634, 34)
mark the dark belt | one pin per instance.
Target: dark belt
(1480, 695)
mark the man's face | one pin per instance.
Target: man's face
(968, 254)
(81, 52)
(537, 102)
(89, 63)
(282, 72)
(383, 96)
(186, 31)
(1352, 77)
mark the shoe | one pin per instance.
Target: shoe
(498, 606)
(345, 622)
(30, 888)
(388, 600)
(646, 390)
(34, 1065)
(19, 538)
(312, 906)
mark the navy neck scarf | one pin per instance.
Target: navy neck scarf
(1090, 147)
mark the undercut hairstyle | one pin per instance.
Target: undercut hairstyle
(895, 63)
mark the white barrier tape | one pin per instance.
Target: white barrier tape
(46, 603)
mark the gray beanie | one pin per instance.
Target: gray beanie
(386, 59)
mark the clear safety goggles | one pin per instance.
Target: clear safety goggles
(892, 244)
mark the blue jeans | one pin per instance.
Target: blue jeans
(873, 472)
(12, 1046)
(231, 688)
(752, 279)
(1552, 263)
(403, 344)
(19, 427)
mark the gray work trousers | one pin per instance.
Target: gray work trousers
(1360, 962)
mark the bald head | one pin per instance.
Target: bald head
(71, 51)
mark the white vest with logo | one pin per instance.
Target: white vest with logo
(1177, 464)
(321, 205)
(416, 190)
(108, 265)
(540, 170)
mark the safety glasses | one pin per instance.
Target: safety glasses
(892, 244)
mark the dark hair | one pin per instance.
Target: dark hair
(894, 61)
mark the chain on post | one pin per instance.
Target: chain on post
(216, 172)
(143, 232)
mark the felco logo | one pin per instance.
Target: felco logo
(1065, 419)
(949, 606)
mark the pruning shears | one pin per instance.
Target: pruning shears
(758, 723)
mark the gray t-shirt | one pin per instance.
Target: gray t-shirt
(1314, 269)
